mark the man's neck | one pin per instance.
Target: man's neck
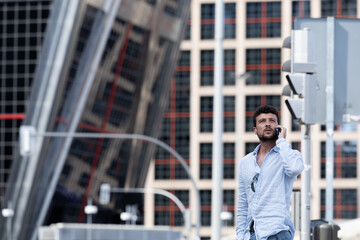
(266, 146)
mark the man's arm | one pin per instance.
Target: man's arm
(242, 210)
(292, 159)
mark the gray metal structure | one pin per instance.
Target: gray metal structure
(63, 231)
(336, 49)
(336, 52)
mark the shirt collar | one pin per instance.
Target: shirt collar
(275, 148)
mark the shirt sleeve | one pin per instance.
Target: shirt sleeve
(292, 159)
(242, 210)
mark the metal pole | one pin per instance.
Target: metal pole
(185, 212)
(329, 118)
(217, 164)
(9, 220)
(8, 213)
(137, 137)
(305, 182)
(89, 221)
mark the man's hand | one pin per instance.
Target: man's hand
(282, 133)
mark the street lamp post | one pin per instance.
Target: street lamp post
(28, 135)
(89, 210)
(106, 190)
(8, 213)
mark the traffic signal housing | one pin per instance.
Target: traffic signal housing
(302, 79)
(302, 108)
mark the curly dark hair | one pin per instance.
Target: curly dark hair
(265, 109)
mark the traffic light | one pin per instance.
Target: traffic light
(302, 81)
(304, 86)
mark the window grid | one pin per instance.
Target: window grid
(206, 114)
(339, 8)
(206, 160)
(167, 212)
(229, 67)
(207, 67)
(263, 19)
(229, 205)
(264, 66)
(208, 21)
(300, 9)
(345, 203)
(345, 159)
(22, 29)
(176, 124)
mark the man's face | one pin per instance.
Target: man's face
(266, 124)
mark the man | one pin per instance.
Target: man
(266, 178)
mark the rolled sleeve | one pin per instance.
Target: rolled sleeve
(292, 159)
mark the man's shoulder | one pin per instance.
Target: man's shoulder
(247, 157)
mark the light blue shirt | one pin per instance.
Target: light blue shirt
(269, 205)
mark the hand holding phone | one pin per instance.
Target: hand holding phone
(280, 132)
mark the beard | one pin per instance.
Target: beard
(270, 138)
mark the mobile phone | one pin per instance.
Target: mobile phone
(277, 132)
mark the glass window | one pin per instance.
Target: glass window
(229, 113)
(263, 20)
(229, 206)
(229, 67)
(176, 123)
(229, 160)
(264, 65)
(206, 115)
(339, 9)
(296, 146)
(230, 21)
(167, 212)
(250, 147)
(206, 160)
(345, 159)
(345, 203)
(300, 9)
(207, 68)
(184, 59)
(205, 196)
(208, 21)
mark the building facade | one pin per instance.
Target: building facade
(254, 31)
(93, 66)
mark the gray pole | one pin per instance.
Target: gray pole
(186, 212)
(329, 118)
(305, 182)
(89, 221)
(217, 164)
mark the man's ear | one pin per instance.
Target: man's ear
(255, 130)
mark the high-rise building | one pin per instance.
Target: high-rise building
(254, 31)
(253, 34)
(75, 66)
